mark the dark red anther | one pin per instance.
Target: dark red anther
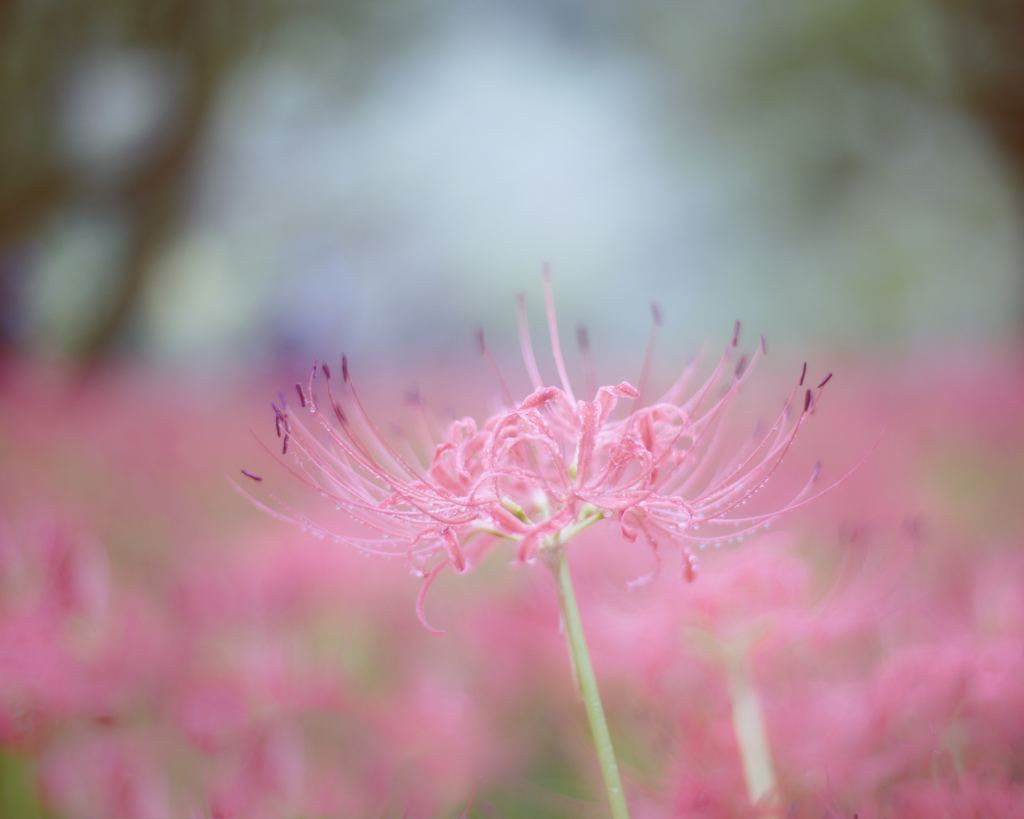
(583, 338)
(340, 413)
(736, 334)
(803, 375)
(824, 381)
(656, 313)
(316, 362)
(807, 401)
(327, 371)
(764, 344)
(740, 366)
(277, 425)
(344, 368)
(284, 447)
(249, 474)
(480, 346)
(273, 406)
(302, 398)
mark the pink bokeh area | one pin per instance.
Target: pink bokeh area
(167, 649)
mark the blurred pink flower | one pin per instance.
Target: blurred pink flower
(106, 774)
(546, 467)
(70, 644)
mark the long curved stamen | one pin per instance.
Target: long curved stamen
(645, 369)
(556, 346)
(526, 344)
(590, 373)
(485, 351)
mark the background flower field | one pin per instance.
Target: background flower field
(167, 649)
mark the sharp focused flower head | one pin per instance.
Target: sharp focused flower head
(546, 467)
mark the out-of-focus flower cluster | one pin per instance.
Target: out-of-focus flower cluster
(164, 651)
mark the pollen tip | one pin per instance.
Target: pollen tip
(807, 401)
(327, 371)
(302, 397)
(583, 338)
(824, 381)
(656, 313)
(740, 366)
(249, 474)
(344, 368)
(817, 471)
(316, 363)
(480, 346)
(736, 334)
(803, 374)
(764, 344)
(340, 413)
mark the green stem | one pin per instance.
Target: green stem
(555, 558)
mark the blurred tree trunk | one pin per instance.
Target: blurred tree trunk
(987, 39)
(156, 195)
(39, 44)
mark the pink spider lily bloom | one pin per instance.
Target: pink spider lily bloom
(544, 468)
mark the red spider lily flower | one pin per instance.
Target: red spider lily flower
(544, 468)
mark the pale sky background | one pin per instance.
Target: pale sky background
(381, 203)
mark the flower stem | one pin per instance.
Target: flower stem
(587, 682)
(751, 734)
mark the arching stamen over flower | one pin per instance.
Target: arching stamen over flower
(541, 470)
